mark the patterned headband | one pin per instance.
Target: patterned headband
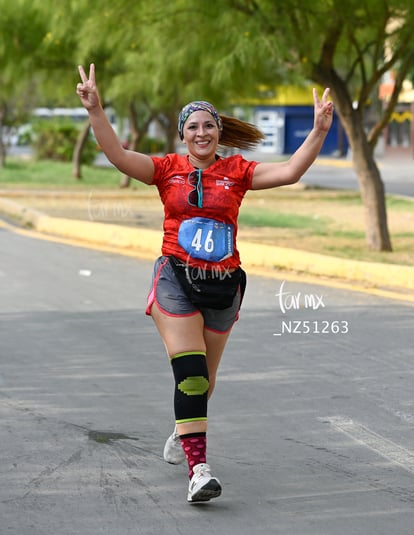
(197, 105)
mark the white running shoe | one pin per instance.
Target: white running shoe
(173, 452)
(203, 486)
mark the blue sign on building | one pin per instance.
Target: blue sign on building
(286, 127)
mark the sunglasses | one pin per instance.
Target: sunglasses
(195, 197)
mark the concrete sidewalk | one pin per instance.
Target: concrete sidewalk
(390, 280)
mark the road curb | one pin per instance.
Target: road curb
(147, 243)
(371, 273)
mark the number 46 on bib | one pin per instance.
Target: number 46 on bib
(206, 239)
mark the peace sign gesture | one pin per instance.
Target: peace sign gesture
(87, 90)
(323, 111)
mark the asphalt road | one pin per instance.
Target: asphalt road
(311, 426)
(398, 177)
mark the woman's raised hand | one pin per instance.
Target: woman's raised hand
(87, 90)
(323, 111)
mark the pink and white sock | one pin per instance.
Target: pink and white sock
(194, 446)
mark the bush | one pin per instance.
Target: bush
(55, 140)
(150, 145)
(24, 135)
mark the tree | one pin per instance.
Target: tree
(150, 69)
(57, 63)
(19, 34)
(146, 68)
(347, 46)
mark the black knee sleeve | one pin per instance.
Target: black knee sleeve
(191, 386)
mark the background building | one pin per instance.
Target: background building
(399, 133)
(285, 116)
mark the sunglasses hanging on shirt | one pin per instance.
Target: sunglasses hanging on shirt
(195, 197)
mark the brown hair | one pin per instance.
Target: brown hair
(239, 134)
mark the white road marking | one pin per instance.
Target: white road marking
(383, 446)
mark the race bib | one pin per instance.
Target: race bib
(206, 239)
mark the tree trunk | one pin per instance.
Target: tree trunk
(77, 151)
(371, 185)
(137, 133)
(133, 142)
(372, 194)
(2, 152)
(2, 145)
(171, 132)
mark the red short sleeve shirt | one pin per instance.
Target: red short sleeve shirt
(224, 184)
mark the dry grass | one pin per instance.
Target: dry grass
(337, 224)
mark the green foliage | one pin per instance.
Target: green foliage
(55, 140)
(25, 136)
(150, 145)
(22, 28)
(162, 55)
